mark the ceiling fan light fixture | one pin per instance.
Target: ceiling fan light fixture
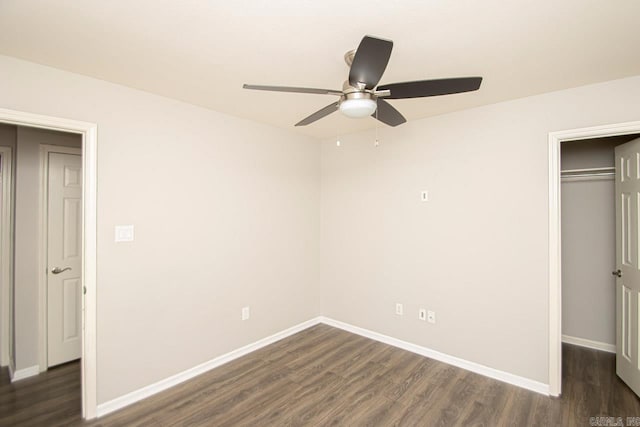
(358, 107)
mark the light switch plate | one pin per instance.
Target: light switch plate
(124, 233)
(424, 196)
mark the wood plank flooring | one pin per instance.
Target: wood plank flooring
(323, 376)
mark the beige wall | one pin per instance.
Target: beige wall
(27, 202)
(8, 135)
(477, 252)
(226, 214)
(591, 153)
(588, 257)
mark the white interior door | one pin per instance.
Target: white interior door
(628, 263)
(64, 251)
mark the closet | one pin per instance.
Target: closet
(588, 241)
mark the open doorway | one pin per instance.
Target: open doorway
(45, 249)
(6, 245)
(603, 167)
(588, 241)
(66, 183)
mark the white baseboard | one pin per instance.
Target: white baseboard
(583, 342)
(137, 395)
(21, 374)
(506, 377)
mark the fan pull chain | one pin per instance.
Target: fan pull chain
(377, 142)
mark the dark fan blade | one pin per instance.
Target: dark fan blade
(370, 61)
(387, 114)
(294, 89)
(422, 88)
(318, 114)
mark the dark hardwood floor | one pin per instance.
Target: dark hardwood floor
(51, 398)
(325, 376)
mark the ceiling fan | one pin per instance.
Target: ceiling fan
(361, 96)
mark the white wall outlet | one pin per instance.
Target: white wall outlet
(399, 309)
(424, 196)
(124, 233)
(431, 316)
(422, 314)
(246, 313)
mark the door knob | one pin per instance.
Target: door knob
(58, 270)
(617, 273)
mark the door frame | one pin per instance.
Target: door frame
(89, 133)
(43, 237)
(6, 258)
(555, 244)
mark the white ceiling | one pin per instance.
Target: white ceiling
(203, 51)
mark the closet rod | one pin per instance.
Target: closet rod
(585, 175)
(609, 169)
